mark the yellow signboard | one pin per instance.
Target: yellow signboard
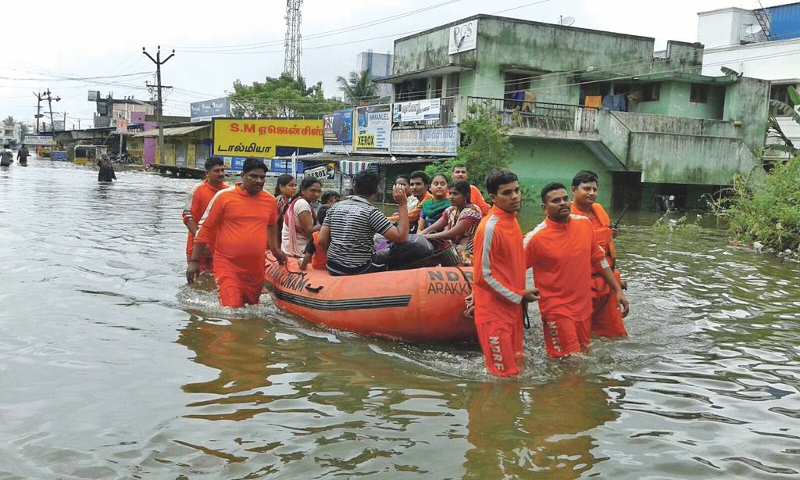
(260, 138)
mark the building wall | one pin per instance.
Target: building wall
(506, 42)
(747, 103)
(767, 60)
(726, 27)
(677, 101)
(551, 48)
(688, 159)
(539, 162)
(636, 122)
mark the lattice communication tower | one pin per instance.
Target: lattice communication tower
(291, 61)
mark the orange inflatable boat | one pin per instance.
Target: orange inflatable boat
(424, 305)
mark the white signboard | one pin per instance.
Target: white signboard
(417, 110)
(373, 128)
(463, 37)
(38, 140)
(316, 172)
(426, 141)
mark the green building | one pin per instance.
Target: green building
(647, 122)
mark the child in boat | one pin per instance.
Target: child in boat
(315, 254)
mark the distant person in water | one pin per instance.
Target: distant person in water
(22, 155)
(106, 173)
(6, 156)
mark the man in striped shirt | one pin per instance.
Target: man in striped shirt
(351, 224)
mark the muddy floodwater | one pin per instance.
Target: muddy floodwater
(112, 367)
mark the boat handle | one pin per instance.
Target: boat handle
(314, 289)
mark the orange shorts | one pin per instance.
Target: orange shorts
(237, 288)
(564, 336)
(606, 317)
(501, 343)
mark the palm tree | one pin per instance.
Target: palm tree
(358, 89)
(9, 121)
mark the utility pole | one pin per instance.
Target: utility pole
(50, 105)
(39, 97)
(160, 106)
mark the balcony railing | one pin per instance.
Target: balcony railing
(539, 115)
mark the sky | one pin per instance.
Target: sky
(70, 48)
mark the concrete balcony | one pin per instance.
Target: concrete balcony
(538, 119)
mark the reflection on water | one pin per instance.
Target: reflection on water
(111, 367)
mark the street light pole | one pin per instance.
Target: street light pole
(160, 106)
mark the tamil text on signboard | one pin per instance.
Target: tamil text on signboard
(260, 138)
(441, 141)
(417, 111)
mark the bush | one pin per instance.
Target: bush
(766, 208)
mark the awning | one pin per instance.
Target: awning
(434, 72)
(172, 131)
(351, 167)
(356, 158)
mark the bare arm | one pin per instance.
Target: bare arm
(436, 227)
(458, 230)
(275, 243)
(398, 234)
(305, 224)
(324, 239)
(200, 251)
(608, 276)
(305, 261)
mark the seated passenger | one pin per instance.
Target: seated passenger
(329, 197)
(300, 220)
(432, 209)
(419, 189)
(458, 222)
(315, 254)
(351, 224)
(411, 199)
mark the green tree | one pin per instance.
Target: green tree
(358, 89)
(485, 146)
(282, 97)
(9, 121)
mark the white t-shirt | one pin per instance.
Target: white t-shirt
(290, 229)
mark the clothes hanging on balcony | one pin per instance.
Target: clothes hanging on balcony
(616, 103)
(595, 101)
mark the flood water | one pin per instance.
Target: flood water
(111, 367)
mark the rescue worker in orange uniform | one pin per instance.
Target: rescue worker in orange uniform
(563, 253)
(499, 272)
(199, 197)
(475, 196)
(239, 221)
(606, 317)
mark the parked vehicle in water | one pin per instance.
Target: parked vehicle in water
(88, 154)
